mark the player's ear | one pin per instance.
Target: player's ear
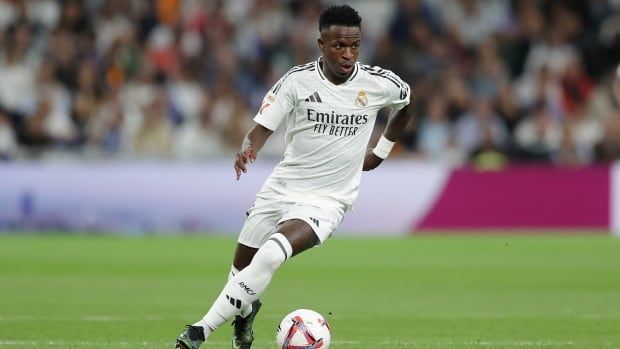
(321, 43)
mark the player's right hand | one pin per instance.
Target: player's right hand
(241, 159)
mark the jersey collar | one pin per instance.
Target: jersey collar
(318, 63)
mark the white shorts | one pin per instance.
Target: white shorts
(323, 216)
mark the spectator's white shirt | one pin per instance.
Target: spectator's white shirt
(328, 127)
(17, 81)
(8, 141)
(194, 140)
(188, 98)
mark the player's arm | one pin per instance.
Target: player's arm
(396, 124)
(277, 104)
(398, 98)
(252, 143)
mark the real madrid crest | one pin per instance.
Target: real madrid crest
(361, 100)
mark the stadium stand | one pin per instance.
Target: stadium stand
(494, 81)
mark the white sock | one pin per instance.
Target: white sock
(245, 287)
(246, 309)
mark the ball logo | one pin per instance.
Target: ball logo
(303, 329)
(361, 100)
(299, 325)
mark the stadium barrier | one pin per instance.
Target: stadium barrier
(399, 198)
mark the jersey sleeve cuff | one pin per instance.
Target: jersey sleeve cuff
(261, 121)
(399, 106)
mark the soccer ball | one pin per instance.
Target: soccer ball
(303, 329)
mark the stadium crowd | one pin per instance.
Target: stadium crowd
(494, 81)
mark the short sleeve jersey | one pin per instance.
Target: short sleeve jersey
(328, 128)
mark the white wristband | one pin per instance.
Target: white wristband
(383, 147)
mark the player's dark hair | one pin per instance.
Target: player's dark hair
(343, 15)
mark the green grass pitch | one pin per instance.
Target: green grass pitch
(533, 291)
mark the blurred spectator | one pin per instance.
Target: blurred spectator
(57, 121)
(86, 100)
(585, 133)
(154, 137)
(576, 88)
(239, 122)
(494, 81)
(603, 100)
(608, 149)
(18, 70)
(197, 139)
(481, 126)
(8, 139)
(106, 126)
(473, 21)
(436, 141)
(571, 153)
(538, 135)
(490, 71)
(302, 40)
(508, 109)
(187, 97)
(488, 156)
(553, 53)
(459, 96)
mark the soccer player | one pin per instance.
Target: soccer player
(330, 106)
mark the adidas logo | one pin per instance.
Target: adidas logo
(314, 98)
(234, 302)
(316, 221)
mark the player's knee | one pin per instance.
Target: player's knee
(274, 252)
(300, 234)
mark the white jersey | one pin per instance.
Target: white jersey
(328, 127)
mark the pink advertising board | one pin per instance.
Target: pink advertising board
(523, 198)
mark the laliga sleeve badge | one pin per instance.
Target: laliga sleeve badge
(361, 100)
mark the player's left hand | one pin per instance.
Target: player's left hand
(242, 158)
(371, 161)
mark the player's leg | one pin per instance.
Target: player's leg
(299, 234)
(301, 237)
(245, 287)
(302, 226)
(243, 257)
(297, 231)
(259, 226)
(243, 334)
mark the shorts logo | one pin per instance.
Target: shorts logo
(316, 221)
(361, 100)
